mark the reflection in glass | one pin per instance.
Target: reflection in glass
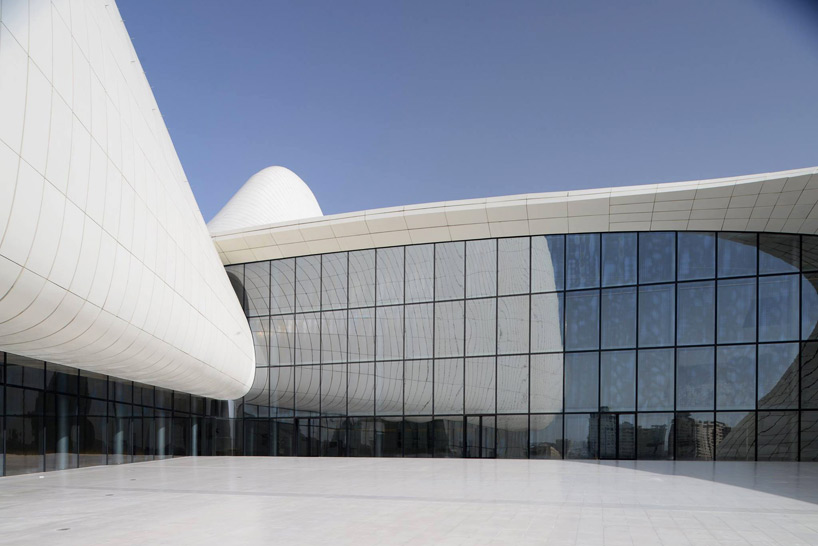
(626, 442)
(308, 338)
(777, 435)
(513, 265)
(546, 383)
(778, 308)
(695, 436)
(618, 381)
(389, 273)
(282, 286)
(449, 328)
(512, 436)
(809, 436)
(512, 384)
(697, 255)
(481, 268)
(361, 339)
(417, 388)
(260, 328)
(655, 380)
(735, 436)
(618, 259)
(696, 308)
(361, 388)
(449, 270)
(480, 385)
(737, 254)
(420, 283)
(619, 318)
(307, 390)
(545, 437)
(695, 378)
(778, 376)
(809, 253)
(361, 278)
(282, 389)
(657, 257)
(389, 329)
(418, 433)
(653, 436)
(334, 281)
(809, 375)
(547, 326)
(582, 261)
(308, 283)
(778, 253)
(809, 306)
(512, 324)
(333, 389)
(656, 317)
(736, 321)
(333, 336)
(448, 437)
(257, 288)
(547, 263)
(582, 382)
(282, 340)
(736, 373)
(582, 320)
(389, 388)
(481, 327)
(448, 386)
(481, 437)
(581, 435)
(419, 331)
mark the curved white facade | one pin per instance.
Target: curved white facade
(105, 261)
(274, 194)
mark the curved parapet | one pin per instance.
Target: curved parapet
(105, 260)
(272, 195)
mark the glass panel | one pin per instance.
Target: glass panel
(449, 328)
(582, 320)
(582, 260)
(653, 436)
(284, 432)
(309, 437)
(389, 437)
(777, 435)
(389, 388)
(361, 437)
(547, 263)
(695, 378)
(361, 340)
(308, 283)
(333, 336)
(23, 445)
(26, 372)
(449, 270)
(736, 387)
(778, 308)
(419, 331)
(656, 316)
(809, 306)
(809, 375)
(308, 338)
(582, 382)
(481, 327)
(257, 438)
(480, 391)
(618, 259)
(809, 253)
(696, 308)
(627, 436)
(778, 376)
(361, 388)
(282, 390)
(547, 325)
(260, 328)
(92, 439)
(697, 255)
(61, 433)
(778, 253)
(257, 286)
(481, 268)
(481, 436)
(695, 436)
(307, 390)
(735, 436)
(655, 380)
(420, 273)
(282, 339)
(512, 325)
(657, 257)
(362, 278)
(545, 438)
(737, 311)
(546, 383)
(607, 435)
(334, 389)
(514, 265)
(512, 437)
(619, 318)
(448, 437)
(737, 254)
(581, 436)
(333, 437)
(389, 328)
(282, 286)
(390, 276)
(418, 433)
(334, 281)
(618, 381)
(92, 384)
(449, 386)
(66, 380)
(512, 384)
(417, 387)
(809, 436)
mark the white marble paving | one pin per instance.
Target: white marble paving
(233, 500)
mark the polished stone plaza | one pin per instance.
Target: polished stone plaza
(414, 501)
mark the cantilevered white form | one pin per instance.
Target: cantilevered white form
(105, 261)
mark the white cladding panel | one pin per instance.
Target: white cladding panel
(105, 261)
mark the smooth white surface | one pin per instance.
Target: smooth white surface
(105, 261)
(274, 194)
(774, 202)
(273, 500)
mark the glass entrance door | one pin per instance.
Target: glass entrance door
(481, 436)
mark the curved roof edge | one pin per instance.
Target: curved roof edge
(783, 201)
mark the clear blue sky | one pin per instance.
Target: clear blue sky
(378, 103)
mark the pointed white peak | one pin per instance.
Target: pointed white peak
(274, 194)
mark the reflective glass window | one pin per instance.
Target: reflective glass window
(361, 285)
(736, 376)
(695, 379)
(333, 336)
(809, 436)
(618, 259)
(547, 263)
(449, 328)
(736, 321)
(420, 282)
(257, 288)
(657, 257)
(389, 333)
(449, 270)
(626, 448)
(481, 326)
(777, 436)
(361, 388)
(737, 254)
(654, 435)
(512, 324)
(809, 306)
(618, 381)
(695, 436)
(512, 437)
(809, 253)
(480, 385)
(778, 376)
(809, 375)
(545, 437)
(580, 438)
(778, 308)
(307, 390)
(308, 283)
(282, 286)
(417, 388)
(513, 265)
(546, 382)
(512, 384)
(282, 340)
(697, 255)
(260, 328)
(582, 260)
(334, 389)
(448, 386)
(389, 388)
(656, 316)
(419, 331)
(735, 436)
(655, 380)
(696, 308)
(778, 253)
(582, 381)
(448, 439)
(418, 433)
(481, 268)
(619, 318)
(361, 334)
(308, 338)
(389, 273)
(582, 320)
(547, 325)
(334, 281)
